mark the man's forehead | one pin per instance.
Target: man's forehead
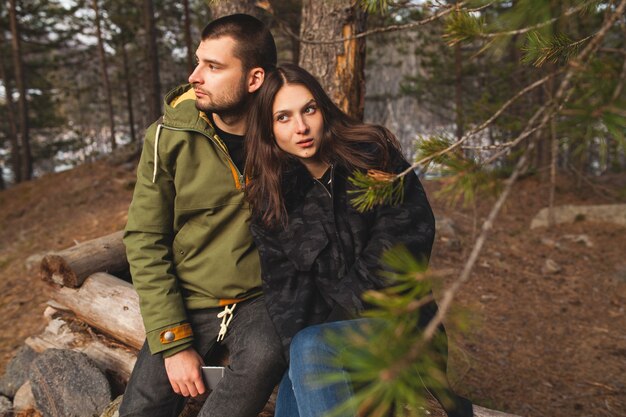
(224, 47)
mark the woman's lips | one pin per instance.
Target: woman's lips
(306, 143)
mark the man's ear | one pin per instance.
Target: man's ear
(256, 76)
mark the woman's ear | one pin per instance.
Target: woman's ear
(256, 76)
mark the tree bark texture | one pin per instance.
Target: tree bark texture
(20, 80)
(105, 74)
(154, 87)
(340, 66)
(106, 303)
(72, 266)
(225, 7)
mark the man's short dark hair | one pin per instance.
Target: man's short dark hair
(255, 45)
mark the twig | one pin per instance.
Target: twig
(484, 125)
(487, 147)
(594, 187)
(391, 28)
(534, 27)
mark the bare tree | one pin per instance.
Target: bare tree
(129, 94)
(16, 163)
(187, 25)
(20, 79)
(154, 90)
(339, 66)
(105, 73)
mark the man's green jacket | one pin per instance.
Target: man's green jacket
(187, 237)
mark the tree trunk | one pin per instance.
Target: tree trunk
(458, 90)
(154, 89)
(106, 303)
(105, 74)
(338, 66)
(129, 95)
(70, 267)
(16, 163)
(224, 8)
(26, 157)
(190, 49)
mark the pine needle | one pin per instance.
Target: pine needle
(375, 188)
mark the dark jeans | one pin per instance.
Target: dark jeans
(256, 366)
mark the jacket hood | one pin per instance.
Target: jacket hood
(180, 110)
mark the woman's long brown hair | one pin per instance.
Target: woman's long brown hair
(341, 143)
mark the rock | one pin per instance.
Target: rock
(446, 232)
(6, 408)
(24, 399)
(580, 239)
(550, 267)
(17, 371)
(550, 243)
(112, 409)
(610, 213)
(66, 383)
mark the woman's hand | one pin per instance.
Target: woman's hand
(185, 373)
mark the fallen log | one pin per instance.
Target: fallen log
(65, 332)
(70, 267)
(106, 303)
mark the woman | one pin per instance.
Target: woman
(318, 253)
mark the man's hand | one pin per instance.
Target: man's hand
(184, 373)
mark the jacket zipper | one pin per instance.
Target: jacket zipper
(332, 206)
(219, 144)
(332, 167)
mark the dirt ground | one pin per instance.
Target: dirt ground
(539, 344)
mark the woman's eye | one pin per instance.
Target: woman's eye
(309, 110)
(281, 118)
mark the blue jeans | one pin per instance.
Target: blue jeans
(303, 392)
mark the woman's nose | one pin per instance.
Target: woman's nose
(301, 126)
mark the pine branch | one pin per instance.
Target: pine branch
(540, 50)
(375, 188)
(445, 304)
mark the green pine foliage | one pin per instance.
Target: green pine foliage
(374, 188)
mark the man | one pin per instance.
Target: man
(192, 259)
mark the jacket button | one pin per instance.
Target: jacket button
(169, 336)
(182, 252)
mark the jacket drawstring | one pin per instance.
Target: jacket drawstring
(226, 315)
(156, 152)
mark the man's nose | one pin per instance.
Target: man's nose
(194, 78)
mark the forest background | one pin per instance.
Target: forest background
(481, 95)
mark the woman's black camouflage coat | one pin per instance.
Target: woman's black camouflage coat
(316, 269)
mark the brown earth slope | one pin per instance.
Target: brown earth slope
(539, 344)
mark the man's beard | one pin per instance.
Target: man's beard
(232, 105)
